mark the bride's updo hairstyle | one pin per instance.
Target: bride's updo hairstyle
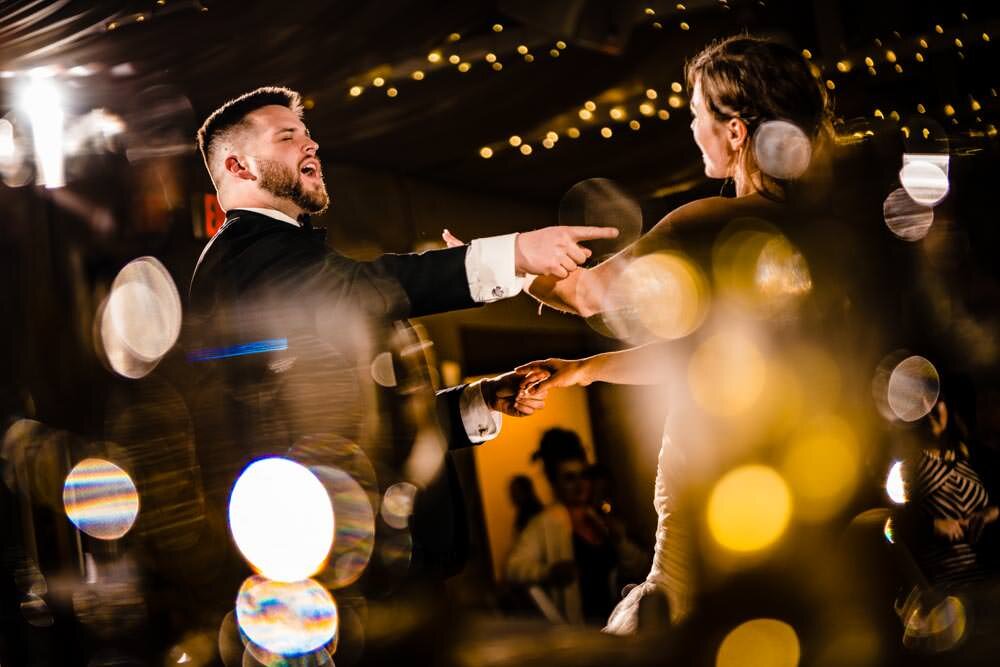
(769, 86)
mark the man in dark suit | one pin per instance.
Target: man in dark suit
(269, 179)
(283, 324)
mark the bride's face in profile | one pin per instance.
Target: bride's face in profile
(712, 136)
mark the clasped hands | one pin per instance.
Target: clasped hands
(523, 391)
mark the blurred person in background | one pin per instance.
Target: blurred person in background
(525, 501)
(573, 552)
(950, 520)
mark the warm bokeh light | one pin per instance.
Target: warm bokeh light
(906, 218)
(354, 537)
(822, 466)
(938, 630)
(781, 271)
(762, 642)
(286, 618)
(894, 485)
(142, 317)
(782, 149)
(913, 388)
(726, 374)
(382, 368)
(281, 519)
(925, 177)
(667, 292)
(749, 509)
(100, 499)
(397, 504)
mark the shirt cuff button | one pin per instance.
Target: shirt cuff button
(498, 292)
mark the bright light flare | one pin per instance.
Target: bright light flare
(286, 618)
(894, 485)
(727, 374)
(281, 519)
(397, 504)
(925, 177)
(906, 218)
(42, 101)
(100, 499)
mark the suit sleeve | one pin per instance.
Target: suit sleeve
(450, 417)
(435, 281)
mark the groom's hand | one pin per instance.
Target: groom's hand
(507, 393)
(555, 251)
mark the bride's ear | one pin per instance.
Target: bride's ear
(737, 133)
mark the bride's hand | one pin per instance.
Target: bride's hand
(561, 373)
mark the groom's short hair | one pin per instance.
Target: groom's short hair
(225, 123)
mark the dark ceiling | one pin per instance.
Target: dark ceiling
(163, 65)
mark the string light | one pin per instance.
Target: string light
(685, 26)
(454, 37)
(515, 141)
(464, 67)
(634, 124)
(486, 152)
(497, 67)
(986, 37)
(949, 110)
(606, 132)
(663, 114)
(921, 108)
(497, 27)
(675, 101)
(585, 114)
(418, 75)
(807, 54)
(676, 87)
(647, 109)
(939, 30)
(844, 66)
(617, 113)
(454, 59)
(830, 84)
(974, 105)
(552, 136)
(923, 43)
(554, 53)
(958, 42)
(650, 94)
(879, 114)
(560, 45)
(589, 106)
(391, 92)
(378, 82)
(572, 133)
(491, 57)
(356, 90)
(522, 49)
(898, 68)
(434, 57)
(869, 61)
(525, 149)
(919, 57)
(890, 56)
(650, 11)
(548, 143)
(529, 58)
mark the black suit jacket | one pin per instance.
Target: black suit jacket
(262, 279)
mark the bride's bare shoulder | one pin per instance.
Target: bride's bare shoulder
(716, 210)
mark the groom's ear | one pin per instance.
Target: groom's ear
(238, 166)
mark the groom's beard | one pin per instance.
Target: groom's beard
(282, 182)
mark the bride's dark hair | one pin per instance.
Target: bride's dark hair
(757, 80)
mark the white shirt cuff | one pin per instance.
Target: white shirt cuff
(489, 266)
(481, 423)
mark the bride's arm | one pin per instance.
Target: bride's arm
(647, 364)
(585, 291)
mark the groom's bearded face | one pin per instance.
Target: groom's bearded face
(308, 193)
